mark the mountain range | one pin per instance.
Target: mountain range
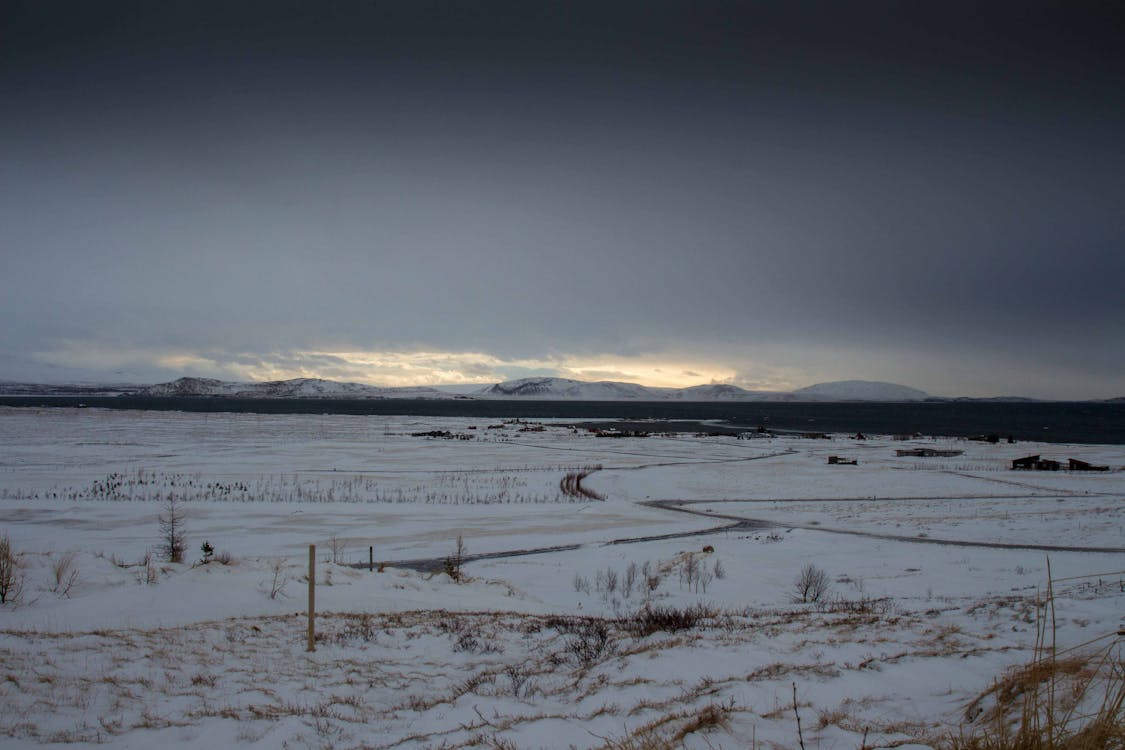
(295, 388)
(608, 390)
(539, 388)
(531, 389)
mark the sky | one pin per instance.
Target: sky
(418, 193)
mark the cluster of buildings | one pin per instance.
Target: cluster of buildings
(1035, 463)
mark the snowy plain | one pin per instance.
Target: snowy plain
(936, 566)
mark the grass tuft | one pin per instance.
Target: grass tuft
(1071, 699)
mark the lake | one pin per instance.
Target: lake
(1058, 422)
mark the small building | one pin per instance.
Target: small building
(927, 452)
(1035, 463)
(841, 461)
(1076, 465)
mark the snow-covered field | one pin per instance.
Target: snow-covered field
(531, 651)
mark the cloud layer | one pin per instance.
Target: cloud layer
(417, 193)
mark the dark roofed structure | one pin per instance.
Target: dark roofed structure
(1035, 463)
(1076, 465)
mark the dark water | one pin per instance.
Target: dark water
(1068, 422)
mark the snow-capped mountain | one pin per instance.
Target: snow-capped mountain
(548, 388)
(296, 388)
(192, 387)
(725, 392)
(859, 390)
(571, 390)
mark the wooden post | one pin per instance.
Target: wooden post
(312, 598)
(370, 559)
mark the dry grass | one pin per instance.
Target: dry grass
(655, 619)
(405, 678)
(64, 571)
(668, 732)
(1071, 699)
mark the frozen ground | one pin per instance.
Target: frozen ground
(530, 651)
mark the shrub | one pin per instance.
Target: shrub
(453, 562)
(65, 573)
(356, 628)
(280, 577)
(629, 582)
(337, 545)
(519, 679)
(651, 620)
(589, 642)
(173, 543)
(811, 584)
(689, 570)
(11, 576)
(151, 571)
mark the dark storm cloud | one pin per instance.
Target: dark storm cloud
(532, 180)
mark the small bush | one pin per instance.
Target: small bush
(811, 584)
(865, 605)
(65, 573)
(152, 573)
(279, 577)
(629, 582)
(518, 677)
(564, 623)
(172, 521)
(689, 570)
(589, 642)
(11, 576)
(337, 545)
(710, 717)
(452, 565)
(357, 628)
(665, 619)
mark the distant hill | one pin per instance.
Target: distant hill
(13, 388)
(860, 390)
(713, 392)
(570, 390)
(295, 388)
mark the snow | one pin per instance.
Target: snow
(187, 655)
